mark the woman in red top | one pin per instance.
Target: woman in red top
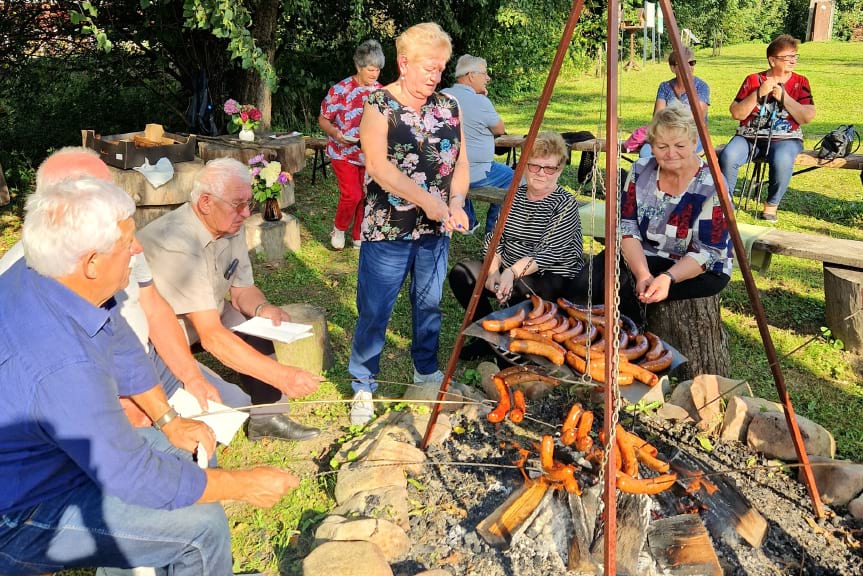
(341, 112)
(771, 107)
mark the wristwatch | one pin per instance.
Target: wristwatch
(670, 276)
(165, 418)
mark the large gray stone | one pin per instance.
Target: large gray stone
(487, 370)
(389, 537)
(768, 433)
(387, 451)
(855, 507)
(838, 481)
(739, 412)
(703, 397)
(416, 424)
(388, 503)
(346, 559)
(355, 477)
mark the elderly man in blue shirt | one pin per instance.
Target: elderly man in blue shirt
(481, 124)
(80, 486)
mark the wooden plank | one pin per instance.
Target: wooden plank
(843, 297)
(805, 158)
(290, 152)
(836, 251)
(681, 546)
(498, 527)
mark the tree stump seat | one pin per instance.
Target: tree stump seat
(313, 354)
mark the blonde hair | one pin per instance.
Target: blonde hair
(675, 117)
(421, 39)
(549, 144)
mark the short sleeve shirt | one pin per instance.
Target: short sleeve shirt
(768, 118)
(189, 265)
(129, 299)
(343, 107)
(478, 115)
(691, 224)
(423, 144)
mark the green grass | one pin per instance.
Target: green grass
(824, 383)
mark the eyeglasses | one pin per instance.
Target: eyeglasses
(788, 57)
(237, 205)
(535, 168)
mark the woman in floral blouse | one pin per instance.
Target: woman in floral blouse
(674, 237)
(416, 183)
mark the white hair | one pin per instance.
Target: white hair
(67, 220)
(467, 64)
(215, 177)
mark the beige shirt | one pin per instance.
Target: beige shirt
(189, 265)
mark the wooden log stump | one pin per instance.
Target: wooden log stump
(843, 297)
(313, 354)
(695, 328)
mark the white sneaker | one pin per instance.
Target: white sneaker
(362, 409)
(357, 244)
(337, 239)
(433, 378)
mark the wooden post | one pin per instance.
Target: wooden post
(313, 354)
(695, 328)
(843, 297)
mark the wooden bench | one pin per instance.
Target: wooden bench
(321, 161)
(842, 262)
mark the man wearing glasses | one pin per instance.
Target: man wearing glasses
(198, 257)
(481, 124)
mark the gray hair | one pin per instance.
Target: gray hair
(467, 64)
(70, 218)
(676, 117)
(215, 177)
(369, 53)
(686, 55)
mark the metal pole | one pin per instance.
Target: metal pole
(547, 90)
(743, 264)
(611, 259)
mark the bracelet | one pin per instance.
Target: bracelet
(670, 275)
(165, 418)
(260, 307)
(463, 198)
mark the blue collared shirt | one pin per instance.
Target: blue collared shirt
(63, 363)
(478, 118)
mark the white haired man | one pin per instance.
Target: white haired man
(481, 124)
(140, 303)
(81, 486)
(198, 257)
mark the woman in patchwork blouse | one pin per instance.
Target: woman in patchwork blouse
(674, 237)
(416, 181)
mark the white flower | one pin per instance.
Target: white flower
(270, 173)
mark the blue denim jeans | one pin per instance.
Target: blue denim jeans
(780, 159)
(384, 266)
(85, 527)
(499, 176)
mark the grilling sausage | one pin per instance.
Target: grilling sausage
(505, 324)
(552, 351)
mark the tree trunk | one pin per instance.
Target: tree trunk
(266, 17)
(695, 328)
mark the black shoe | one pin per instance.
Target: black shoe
(281, 427)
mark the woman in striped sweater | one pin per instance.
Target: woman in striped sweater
(540, 250)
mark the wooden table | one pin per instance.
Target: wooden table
(289, 151)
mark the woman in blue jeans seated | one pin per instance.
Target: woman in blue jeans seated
(417, 181)
(771, 106)
(540, 249)
(674, 237)
(673, 91)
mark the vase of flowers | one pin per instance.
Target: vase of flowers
(244, 118)
(268, 179)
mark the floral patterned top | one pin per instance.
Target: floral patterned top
(672, 227)
(343, 106)
(424, 145)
